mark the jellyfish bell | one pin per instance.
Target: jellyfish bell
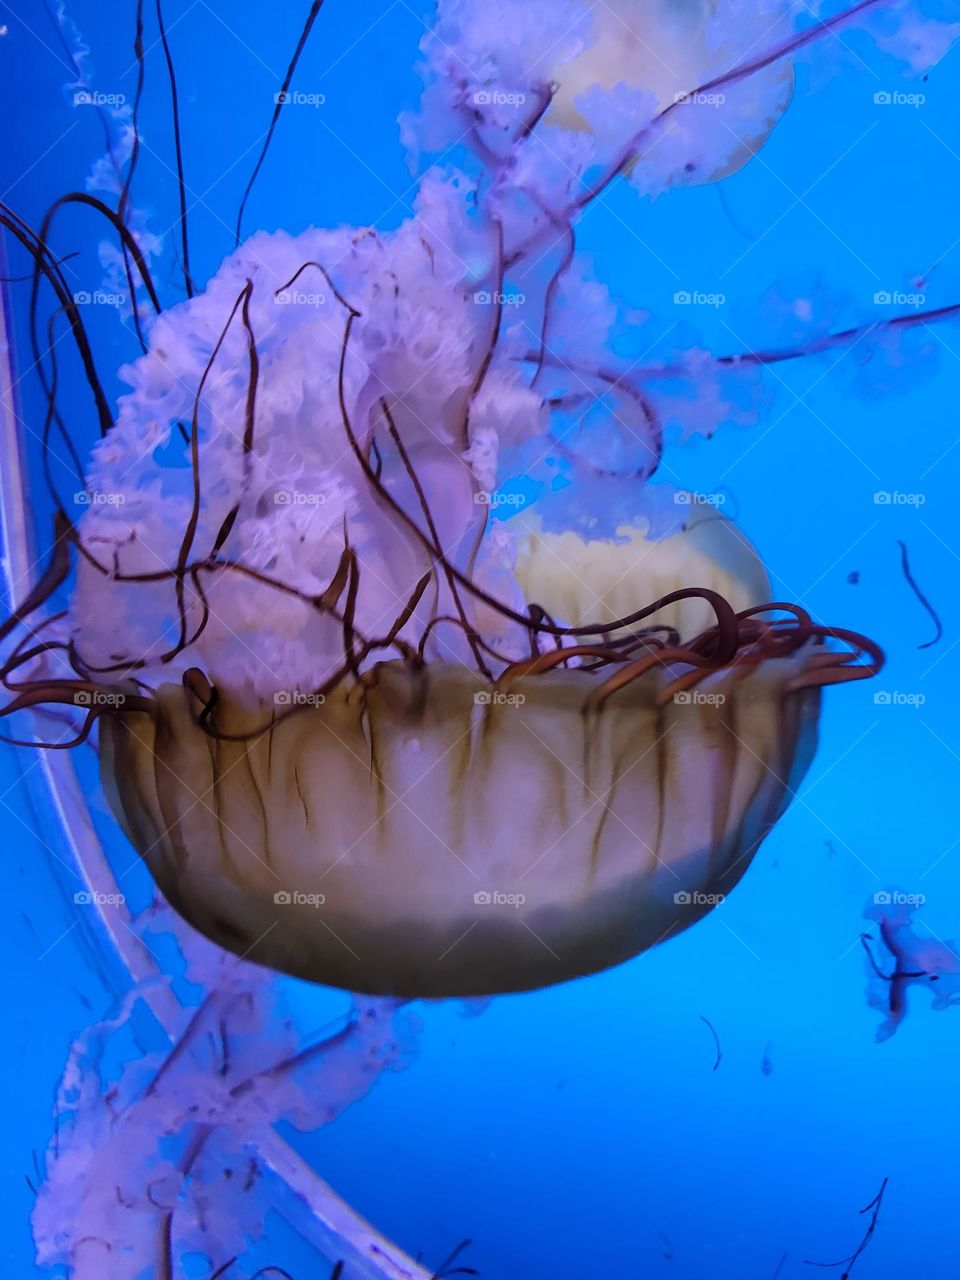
(423, 833)
(669, 50)
(420, 830)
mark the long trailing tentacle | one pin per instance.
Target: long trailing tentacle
(281, 99)
(47, 267)
(53, 577)
(123, 203)
(186, 545)
(127, 239)
(178, 151)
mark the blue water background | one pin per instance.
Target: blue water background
(582, 1131)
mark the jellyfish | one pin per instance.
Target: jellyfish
(173, 1158)
(899, 959)
(669, 51)
(412, 751)
(412, 672)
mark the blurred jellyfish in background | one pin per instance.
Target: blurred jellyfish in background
(409, 672)
(901, 957)
(666, 54)
(160, 1157)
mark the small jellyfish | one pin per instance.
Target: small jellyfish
(899, 959)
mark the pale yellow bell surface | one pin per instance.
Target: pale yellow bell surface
(427, 834)
(585, 580)
(665, 48)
